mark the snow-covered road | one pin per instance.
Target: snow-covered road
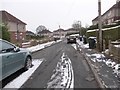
(63, 76)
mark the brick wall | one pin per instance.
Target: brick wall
(13, 38)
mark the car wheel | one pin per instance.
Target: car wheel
(28, 63)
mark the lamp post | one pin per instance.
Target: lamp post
(100, 26)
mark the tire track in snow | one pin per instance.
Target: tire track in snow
(63, 76)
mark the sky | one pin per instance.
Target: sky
(52, 13)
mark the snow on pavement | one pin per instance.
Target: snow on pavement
(41, 46)
(20, 80)
(82, 45)
(98, 55)
(99, 61)
(74, 45)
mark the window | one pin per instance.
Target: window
(6, 47)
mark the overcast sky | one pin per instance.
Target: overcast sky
(52, 13)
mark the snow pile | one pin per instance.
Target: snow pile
(106, 51)
(82, 45)
(86, 46)
(20, 80)
(96, 57)
(74, 45)
(118, 46)
(63, 74)
(41, 46)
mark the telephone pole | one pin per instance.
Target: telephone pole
(100, 26)
(79, 27)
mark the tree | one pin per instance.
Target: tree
(83, 31)
(76, 25)
(40, 28)
(4, 33)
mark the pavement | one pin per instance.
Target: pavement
(103, 74)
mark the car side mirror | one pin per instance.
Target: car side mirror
(16, 49)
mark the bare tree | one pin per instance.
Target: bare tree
(76, 25)
(40, 28)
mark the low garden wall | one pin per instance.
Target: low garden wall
(114, 49)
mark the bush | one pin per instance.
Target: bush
(110, 34)
(4, 34)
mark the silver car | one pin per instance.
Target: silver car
(12, 59)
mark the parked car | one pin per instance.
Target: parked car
(71, 39)
(13, 59)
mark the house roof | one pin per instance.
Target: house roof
(71, 29)
(8, 17)
(117, 5)
(29, 33)
(44, 31)
(59, 30)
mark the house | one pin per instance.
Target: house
(60, 33)
(110, 16)
(29, 33)
(45, 33)
(16, 27)
(72, 31)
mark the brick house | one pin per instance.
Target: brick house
(110, 16)
(16, 27)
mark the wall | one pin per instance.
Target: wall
(115, 51)
(12, 28)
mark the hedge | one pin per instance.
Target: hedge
(110, 33)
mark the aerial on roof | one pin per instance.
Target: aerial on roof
(8, 17)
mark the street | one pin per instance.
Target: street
(82, 76)
(60, 44)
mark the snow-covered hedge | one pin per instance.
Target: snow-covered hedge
(112, 33)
